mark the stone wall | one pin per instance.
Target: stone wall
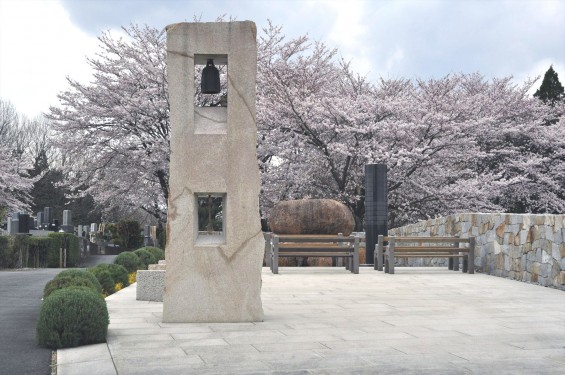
(518, 246)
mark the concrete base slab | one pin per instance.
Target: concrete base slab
(329, 321)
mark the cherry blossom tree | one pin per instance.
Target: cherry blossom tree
(16, 145)
(444, 140)
(115, 130)
(456, 143)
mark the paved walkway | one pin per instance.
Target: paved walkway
(329, 321)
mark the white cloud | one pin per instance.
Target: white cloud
(349, 31)
(39, 47)
(394, 58)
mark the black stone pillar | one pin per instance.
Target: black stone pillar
(376, 212)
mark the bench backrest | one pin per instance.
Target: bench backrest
(306, 238)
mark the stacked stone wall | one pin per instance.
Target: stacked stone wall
(518, 246)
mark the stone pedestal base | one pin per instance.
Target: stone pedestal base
(207, 286)
(150, 285)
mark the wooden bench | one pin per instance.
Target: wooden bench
(306, 245)
(425, 247)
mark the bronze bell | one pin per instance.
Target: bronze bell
(210, 83)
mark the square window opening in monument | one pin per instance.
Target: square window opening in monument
(210, 216)
(210, 93)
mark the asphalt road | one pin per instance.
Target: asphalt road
(20, 301)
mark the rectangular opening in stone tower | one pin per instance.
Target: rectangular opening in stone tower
(210, 93)
(214, 91)
(210, 218)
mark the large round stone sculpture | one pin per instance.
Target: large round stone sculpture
(311, 216)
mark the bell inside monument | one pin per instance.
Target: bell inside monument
(210, 83)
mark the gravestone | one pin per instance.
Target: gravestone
(13, 224)
(214, 240)
(67, 226)
(23, 222)
(47, 217)
(40, 220)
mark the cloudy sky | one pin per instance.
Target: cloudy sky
(43, 41)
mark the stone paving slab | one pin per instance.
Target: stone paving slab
(329, 321)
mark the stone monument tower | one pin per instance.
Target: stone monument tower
(214, 241)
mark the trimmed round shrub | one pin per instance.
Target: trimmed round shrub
(104, 278)
(82, 274)
(71, 317)
(159, 254)
(145, 258)
(67, 281)
(128, 260)
(119, 274)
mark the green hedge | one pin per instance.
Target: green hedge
(129, 260)
(145, 258)
(119, 273)
(81, 274)
(38, 252)
(67, 241)
(5, 252)
(68, 281)
(71, 317)
(104, 278)
(159, 254)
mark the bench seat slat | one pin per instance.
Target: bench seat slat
(423, 255)
(310, 250)
(283, 239)
(416, 249)
(428, 239)
(301, 254)
(285, 245)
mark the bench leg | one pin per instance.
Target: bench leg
(471, 255)
(450, 263)
(268, 252)
(465, 264)
(390, 261)
(275, 261)
(391, 256)
(455, 264)
(355, 269)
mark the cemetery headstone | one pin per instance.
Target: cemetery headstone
(13, 224)
(47, 216)
(67, 226)
(40, 220)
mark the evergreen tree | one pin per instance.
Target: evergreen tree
(551, 89)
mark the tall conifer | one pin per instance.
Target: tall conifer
(551, 89)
